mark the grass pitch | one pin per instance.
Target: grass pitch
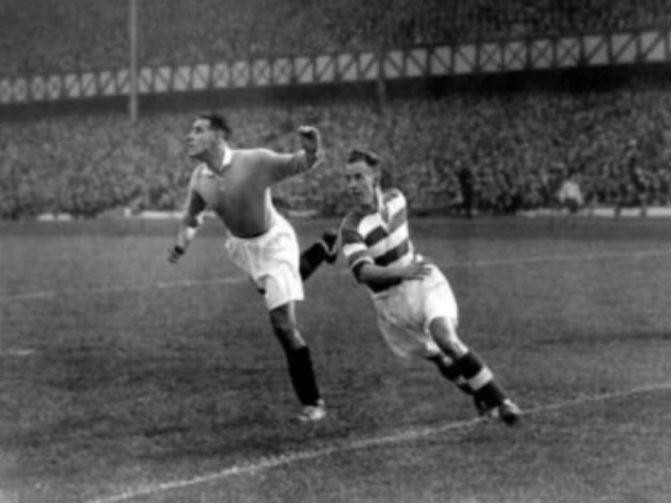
(122, 376)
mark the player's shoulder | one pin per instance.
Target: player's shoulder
(394, 200)
(199, 170)
(393, 193)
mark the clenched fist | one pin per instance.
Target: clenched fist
(311, 141)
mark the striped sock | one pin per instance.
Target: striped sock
(449, 370)
(480, 380)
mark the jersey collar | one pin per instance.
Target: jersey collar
(228, 156)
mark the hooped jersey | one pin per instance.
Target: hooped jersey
(378, 237)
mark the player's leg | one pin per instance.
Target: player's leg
(438, 301)
(299, 362)
(283, 287)
(450, 372)
(478, 376)
(402, 324)
(325, 249)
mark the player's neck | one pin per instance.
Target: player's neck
(218, 159)
(375, 204)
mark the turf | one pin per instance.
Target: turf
(118, 370)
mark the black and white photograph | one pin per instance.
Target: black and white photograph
(335, 251)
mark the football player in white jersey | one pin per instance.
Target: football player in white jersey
(415, 306)
(236, 185)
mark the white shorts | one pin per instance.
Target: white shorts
(405, 312)
(272, 261)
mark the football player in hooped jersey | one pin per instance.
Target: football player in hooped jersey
(235, 184)
(416, 308)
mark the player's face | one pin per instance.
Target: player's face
(361, 181)
(201, 138)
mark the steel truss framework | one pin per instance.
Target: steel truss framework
(541, 53)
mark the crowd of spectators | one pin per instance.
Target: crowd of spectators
(490, 153)
(39, 37)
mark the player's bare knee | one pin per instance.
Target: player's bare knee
(284, 327)
(444, 333)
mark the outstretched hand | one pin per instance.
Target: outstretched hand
(310, 139)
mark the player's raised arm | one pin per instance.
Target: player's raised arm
(189, 223)
(311, 155)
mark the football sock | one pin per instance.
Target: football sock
(480, 379)
(449, 370)
(302, 376)
(311, 259)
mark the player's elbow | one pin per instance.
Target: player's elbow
(364, 275)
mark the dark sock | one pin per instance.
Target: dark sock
(480, 380)
(302, 376)
(311, 259)
(449, 370)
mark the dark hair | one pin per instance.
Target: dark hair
(370, 158)
(218, 123)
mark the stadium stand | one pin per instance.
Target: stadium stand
(463, 153)
(513, 149)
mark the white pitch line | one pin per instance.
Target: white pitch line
(267, 463)
(50, 294)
